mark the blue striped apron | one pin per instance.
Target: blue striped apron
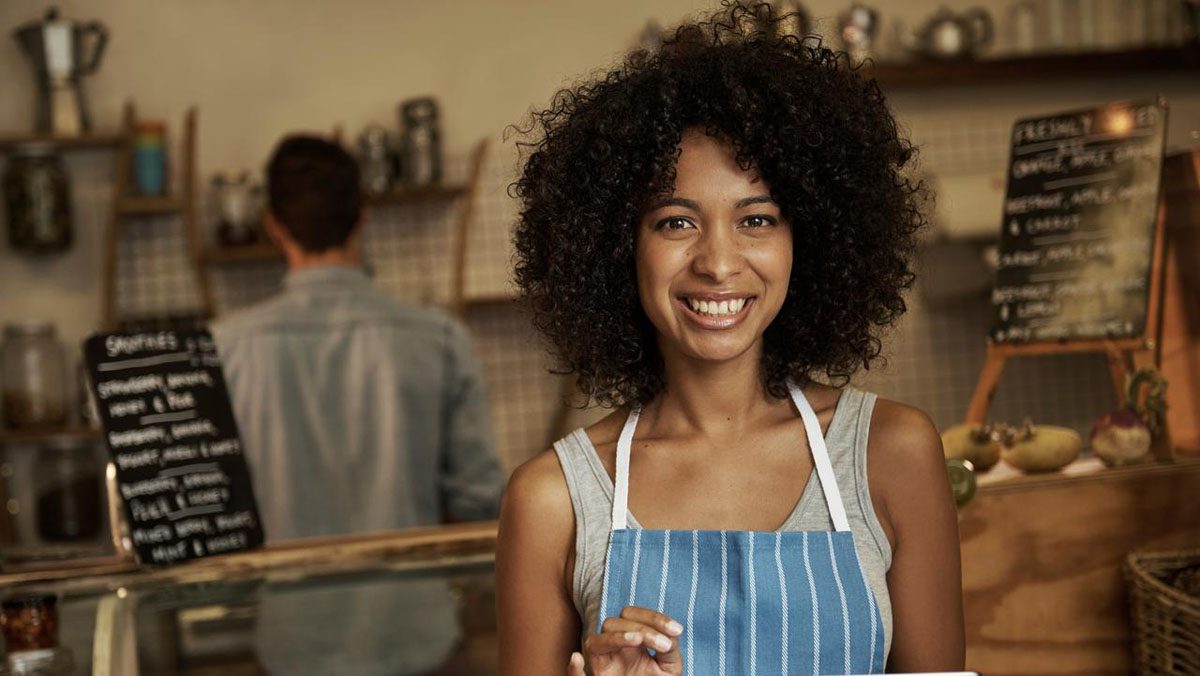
(751, 603)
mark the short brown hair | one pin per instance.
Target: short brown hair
(313, 190)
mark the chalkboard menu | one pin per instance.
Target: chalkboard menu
(1077, 240)
(173, 440)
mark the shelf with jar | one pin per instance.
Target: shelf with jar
(1026, 68)
(89, 141)
(37, 188)
(143, 189)
(51, 464)
(399, 197)
(1018, 41)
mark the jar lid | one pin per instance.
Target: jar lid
(57, 660)
(29, 328)
(34, 149)
(29, 601)
(151, 127)
(67, 443)
(231, 177)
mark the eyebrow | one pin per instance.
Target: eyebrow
(757, 199)
(695, 206)
(676, 202)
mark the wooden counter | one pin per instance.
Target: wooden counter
(393, 550)
(1042, 557)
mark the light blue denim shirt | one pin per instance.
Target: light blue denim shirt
(357, 413)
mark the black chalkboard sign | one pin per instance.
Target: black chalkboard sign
(172, 437)
(1077, 241)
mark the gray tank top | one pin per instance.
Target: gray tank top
(591, 490)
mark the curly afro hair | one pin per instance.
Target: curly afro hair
(818, 132)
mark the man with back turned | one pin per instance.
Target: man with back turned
(358, 413)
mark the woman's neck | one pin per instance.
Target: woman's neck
(714, 400)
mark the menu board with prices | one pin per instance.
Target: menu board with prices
(1077, 241)
(174, 443)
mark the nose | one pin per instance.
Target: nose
(716, 255)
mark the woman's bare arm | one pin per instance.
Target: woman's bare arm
(538, 625)
(907, 467)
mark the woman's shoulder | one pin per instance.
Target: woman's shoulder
(905, 428)
(537, 485)
(904, 453)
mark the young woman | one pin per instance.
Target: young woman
(713, 237)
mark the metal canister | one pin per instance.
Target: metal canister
(38, 201)
(376, 160)
(421, 143)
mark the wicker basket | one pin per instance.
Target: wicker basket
(1166, 618)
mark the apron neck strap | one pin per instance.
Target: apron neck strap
(821, 463)
(620, 505)
(816, 444)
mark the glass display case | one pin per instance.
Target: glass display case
(413, 602)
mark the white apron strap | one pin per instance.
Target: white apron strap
(620, 505)
(820, 455)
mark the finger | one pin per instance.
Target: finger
(659, 621)
(611, 642)
(655, 638)
(575, 666)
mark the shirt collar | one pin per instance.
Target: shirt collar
(324, 276)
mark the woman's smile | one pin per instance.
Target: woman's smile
(716, 311)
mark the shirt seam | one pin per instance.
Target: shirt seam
(566, 462)
(863, 489)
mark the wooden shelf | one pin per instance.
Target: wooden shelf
(147, 206)
(39, 436)
(1034, 68)
(249, 253)
(265, 251)
(1088, 467)
(104, 140)
(406, 196)
(502, 298)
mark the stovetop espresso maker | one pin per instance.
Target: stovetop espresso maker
(62, 52)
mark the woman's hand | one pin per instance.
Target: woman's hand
(620, 649)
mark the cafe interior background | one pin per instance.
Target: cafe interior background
(250, 72)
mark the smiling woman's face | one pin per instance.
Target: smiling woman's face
(714, 257)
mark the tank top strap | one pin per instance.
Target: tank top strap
(620, 506)
(820, 457)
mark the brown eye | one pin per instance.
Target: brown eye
(673, 223)
(758, 221)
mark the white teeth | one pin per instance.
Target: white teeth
(714, 308)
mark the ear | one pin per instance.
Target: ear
(275, 231)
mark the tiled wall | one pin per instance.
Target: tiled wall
(934, 354)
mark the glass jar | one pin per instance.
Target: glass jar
(30, 627)
(29, 623)
(34, 376)
(68, 487)
(37, 199)
(238, 202)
